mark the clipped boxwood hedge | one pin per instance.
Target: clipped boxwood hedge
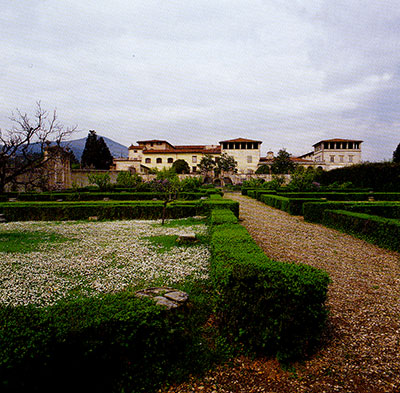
(292, 206)
(110, 343)
(98, 196)
(110, 210)
(345, 196)
(384, 232)
(313, 211)
(268, 307)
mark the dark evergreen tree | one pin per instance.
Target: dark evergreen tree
(396, 155)
(104, 157)
(88, 159)
(96, 153)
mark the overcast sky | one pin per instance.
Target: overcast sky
(287, 72)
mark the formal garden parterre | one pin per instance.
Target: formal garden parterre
(69, 305)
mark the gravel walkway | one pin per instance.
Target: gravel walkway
(361, 352)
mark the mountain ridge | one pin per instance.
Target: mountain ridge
(78, 145)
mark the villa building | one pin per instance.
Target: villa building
(161, 154)
(335, 153)
(149, 154)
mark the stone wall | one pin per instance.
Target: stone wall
(79, 177)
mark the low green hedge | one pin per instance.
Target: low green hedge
(98, 196)
(381, 209)
(110, 210)
(266, 306)
(384, 232)
(222, 216)
(313, 211)
(292, 206)
(345, 196)
(110, 343)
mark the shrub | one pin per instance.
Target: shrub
(266, 306)
(110, 343)
(384, 232)
(222, 216)
(102, 180)
(128, 179)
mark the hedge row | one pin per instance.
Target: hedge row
(51, 211)
(110, 343)
(345, 196)
(98, 196)
(292, 206)
(222, 216)
(380, 176)
(314, 211)
(384, 232)
(268, 307)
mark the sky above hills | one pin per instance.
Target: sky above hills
(289, 73)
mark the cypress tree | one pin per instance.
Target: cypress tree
(396, 155)
(104, 157)
(96, 153)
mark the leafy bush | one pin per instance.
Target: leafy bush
(266, 306)
(190, 184)
(111, 343)
(303, 180)
(128, 179)
(102, 180)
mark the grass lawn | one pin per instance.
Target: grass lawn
(43, 262)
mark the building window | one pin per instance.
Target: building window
(147, 160)
(194, 159)
(332, 158)
(341, 158)
(159, 160)
(170, 160)
(194, 168)
(135, 151)
(350, 158)
(249, 159)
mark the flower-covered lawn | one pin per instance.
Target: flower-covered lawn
(96, 257)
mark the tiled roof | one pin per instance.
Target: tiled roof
(240, 140)
(185, 149)
(131, 147)
(337, 140)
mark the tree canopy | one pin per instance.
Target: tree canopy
(396, 154)
(96, 153)
(181, 166)
(226, 163)
(282, 163)
(206, 164)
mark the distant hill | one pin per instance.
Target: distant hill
(77, 146)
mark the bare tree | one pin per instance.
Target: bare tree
(22, 147)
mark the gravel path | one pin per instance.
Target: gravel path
(362, 344)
